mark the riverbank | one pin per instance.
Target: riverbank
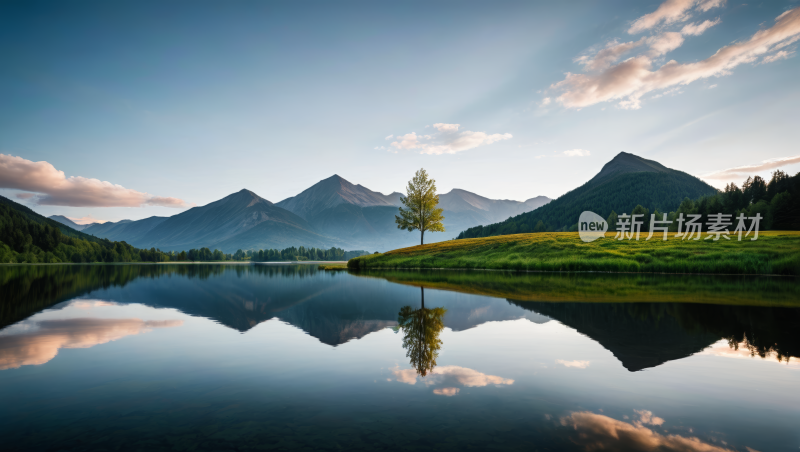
(774, 253)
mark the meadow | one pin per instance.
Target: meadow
(774, 253)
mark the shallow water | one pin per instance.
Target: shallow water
(223, 357)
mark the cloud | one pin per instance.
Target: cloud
(712, 86)
(448, 140)
(441, 127)
(600, 432)
(41, 344)
(546, 101)
(629, 80)
(577, 153)
(672, 11)
(743, 350)
(646, 417)
(608, 55)
(24, 195)
(448, 392)
(741, 171)
(576, 364)
(777, 56)
(447, 378)
(664, 43)
(389, 137)
(696, 29)
(55, 189)
(88, 219)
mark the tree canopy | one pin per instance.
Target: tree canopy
(421, 212)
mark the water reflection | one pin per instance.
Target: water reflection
(601, 432)
(34, 343)
(337, 308)
(421, 328)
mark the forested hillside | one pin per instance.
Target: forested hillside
(26, 236)
(622, 184)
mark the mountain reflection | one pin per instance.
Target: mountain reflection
(39, 342)
(421, 328)
(336, 308)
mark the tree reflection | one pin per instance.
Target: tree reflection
(421, 328)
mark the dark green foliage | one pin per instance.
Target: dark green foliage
(778, 202)
(619, 193)
(304, 254)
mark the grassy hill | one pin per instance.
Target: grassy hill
(623, 183)
(775, 252)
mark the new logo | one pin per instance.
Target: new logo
(591, 226)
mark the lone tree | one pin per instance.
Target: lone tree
(421, 212)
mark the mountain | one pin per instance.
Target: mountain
(365, 218)
(463, 208)
(67, 222)
(622, 184)
(124, 230)
(331, 192)
(241, 220)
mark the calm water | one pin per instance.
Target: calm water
(215, 357)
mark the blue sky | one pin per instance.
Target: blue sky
(183, 103)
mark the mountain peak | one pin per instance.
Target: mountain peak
(629, 163)
(329, 193)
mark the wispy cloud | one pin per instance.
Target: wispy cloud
(629, 80)
(446, 140)
(575, 363)
(741, 171)
(672, 11)
(53, 188)
(577, 153)
(88, 219)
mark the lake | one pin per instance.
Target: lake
(287, 357)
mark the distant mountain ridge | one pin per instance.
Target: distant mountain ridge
(332, 212)
(623, 183)
(67, 222)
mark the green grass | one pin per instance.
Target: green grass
(333, 267)
(774, 253)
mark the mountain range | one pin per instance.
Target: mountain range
(335, 212)
(332, 212)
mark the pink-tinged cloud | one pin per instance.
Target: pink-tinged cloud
(600, 432)
(53, 188)
(88, 219)
(24, 195)
(672, 11)
(631, 79)
(42, 344)
(696, 29)
(447, 140)
(740, 171)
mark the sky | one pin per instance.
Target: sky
(125, 110)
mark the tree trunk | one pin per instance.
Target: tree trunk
(422, 289)
(421, 237)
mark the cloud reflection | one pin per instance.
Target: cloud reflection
(447, 378)
(574, 363)
(743, 350)
(42, 343)
(600, 432)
